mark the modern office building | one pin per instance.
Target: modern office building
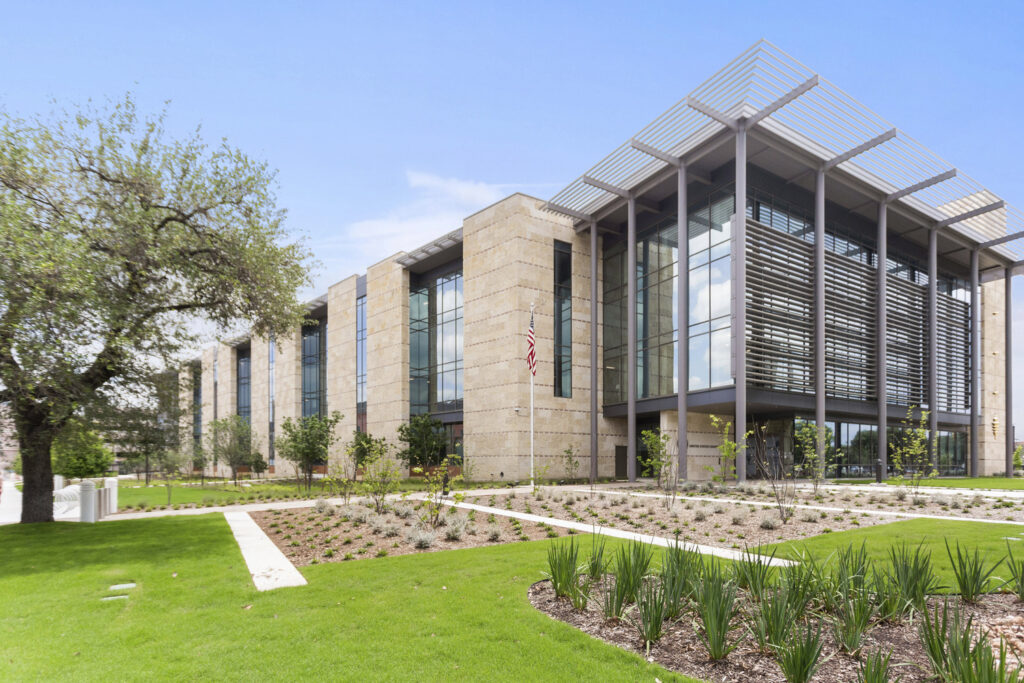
(863, 276)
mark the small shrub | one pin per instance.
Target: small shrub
(595, 567)
(852, 618)
(382, 553)
(650, 610)
(773, 620)
(754, 572)
(631, 566)
(563, 567)
(699, 516)
(323, 507)
(737, 520)
(1016, 567)
(875, 668)
(455, 529)
(969, 569)
(421, 539)
(801, 655)
(769, 524)
(493, 533)
(716, 607)
(389, 531)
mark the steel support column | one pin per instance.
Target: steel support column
(975, 362)
(882, 343)
(593, 352)
(682, 319)
(819, 312)
(739, 331)
(631, 339)
(933, 345)
(1008, 355)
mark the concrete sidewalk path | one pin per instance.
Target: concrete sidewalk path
(268, 566)
(724, 553)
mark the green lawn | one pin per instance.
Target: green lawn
(455, 615)
(933, 533)
(219, 493)
(996, 483)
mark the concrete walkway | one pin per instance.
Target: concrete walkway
(724, 553)
(10, 503)
(268, 566)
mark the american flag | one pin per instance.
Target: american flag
(531, 351)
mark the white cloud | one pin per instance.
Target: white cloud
(437, 206)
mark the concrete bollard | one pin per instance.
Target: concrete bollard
(111, 483)
(58, 482)
(87, 501)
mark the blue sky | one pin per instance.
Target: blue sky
(389, 122)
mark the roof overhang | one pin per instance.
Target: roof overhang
(434, 253)
(775, 97)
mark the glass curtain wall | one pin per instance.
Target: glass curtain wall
(361, 364)
(710, 302)
(563, 319)
(244, 383)
(657, 308)
(435, 344)
(314, 369)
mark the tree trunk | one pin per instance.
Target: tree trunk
(37, 471)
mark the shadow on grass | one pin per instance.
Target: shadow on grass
(40, 549)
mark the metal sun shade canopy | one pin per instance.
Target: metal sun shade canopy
(772, 90)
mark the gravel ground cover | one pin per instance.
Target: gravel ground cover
(326, 533)
(730, 524)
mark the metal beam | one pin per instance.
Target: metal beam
(932, 371)
(1008, 356)
(683, 318)
(819, 312)
(783, 101)
(882, 342)
(656, 153)
(713, 113)
(974, 213)
(607, 187)
(593, 353)
(860, 149)
(1002, 240)
(917, 187)
(566, 211)
(739, 328)
(975, 363)
(631, 341)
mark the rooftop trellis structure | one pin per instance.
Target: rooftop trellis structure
(766, 97)
(777, 94)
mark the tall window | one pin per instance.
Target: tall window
(435, 344)
(361, 363)
(710, 333)
(656, 314)
(271, 353)
(314, 369)
(197, 409)
(563, 319)
(244, 383)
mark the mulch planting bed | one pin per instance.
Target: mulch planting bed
(731, 524)
(680, 648)
(329, 534)
(925, 501)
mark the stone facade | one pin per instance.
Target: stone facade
(341, 360)
(992, 441)
(507, 265)
(507, 256)
(387, 350)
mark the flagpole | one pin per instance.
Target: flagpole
(531, 412)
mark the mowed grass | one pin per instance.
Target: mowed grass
(218, 493)
(981, 483)
(454, 615)
(931, 534)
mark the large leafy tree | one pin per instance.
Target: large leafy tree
(424, 440)
(116, 240)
